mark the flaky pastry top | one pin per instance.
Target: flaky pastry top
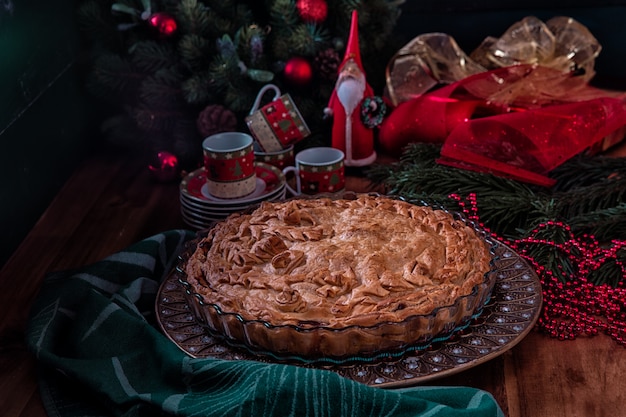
(337, 263)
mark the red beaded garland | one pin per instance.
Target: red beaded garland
(572, 305)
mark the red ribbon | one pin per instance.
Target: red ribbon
(524, 142)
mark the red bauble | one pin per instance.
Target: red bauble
(164, 23)
(298, 72)
(312, 11)
(164, 167)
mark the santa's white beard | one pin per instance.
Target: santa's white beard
(350, 92)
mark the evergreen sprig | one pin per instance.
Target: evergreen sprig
(152, 56)
(588, 199)
(605, 224)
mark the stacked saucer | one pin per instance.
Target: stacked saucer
(199, 208)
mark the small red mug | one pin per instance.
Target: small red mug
(229, 164)
(318, 170)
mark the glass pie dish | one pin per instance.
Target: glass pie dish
(312, 342)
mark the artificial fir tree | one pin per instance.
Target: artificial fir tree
(182, 69)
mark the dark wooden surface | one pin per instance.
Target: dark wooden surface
(112, 201)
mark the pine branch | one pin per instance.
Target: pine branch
(511, 216)
(584, 170)
(307, 39)
(609, 272)
(195, 51)
(548, 253)
(605, 224)
(199, 89)
(151, 56)
(250, 41)
(238, 102)
(162, 90)
(507, 207)
(418, 169)
(283, 14)
(603, 194)
(195, 18)
(224, 71)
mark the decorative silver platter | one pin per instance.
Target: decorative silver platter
(509, 316)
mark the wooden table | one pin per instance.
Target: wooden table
(112, 201)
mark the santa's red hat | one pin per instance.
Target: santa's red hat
(352, 49)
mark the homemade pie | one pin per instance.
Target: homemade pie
(338, 278)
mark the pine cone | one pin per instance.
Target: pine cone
(216, 118)
(327, 64)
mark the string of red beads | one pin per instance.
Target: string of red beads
(572, 305)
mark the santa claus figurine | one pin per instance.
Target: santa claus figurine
(349, 133)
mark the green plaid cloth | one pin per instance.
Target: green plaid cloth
(94, 333)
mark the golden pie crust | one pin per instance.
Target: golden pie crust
(338, 277)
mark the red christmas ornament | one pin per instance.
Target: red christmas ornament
(312, 11)
(298, 72)
(164, 23)
(164, 167)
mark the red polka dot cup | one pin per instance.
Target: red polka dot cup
(229, 164)
(317, 171)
